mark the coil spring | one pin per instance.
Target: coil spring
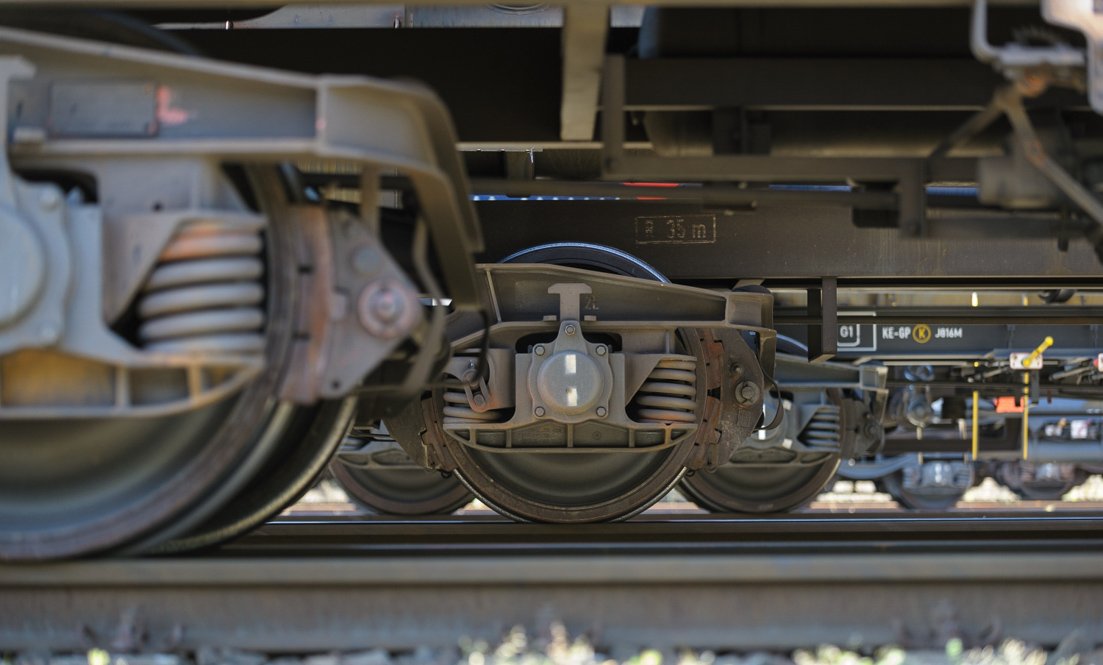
(206, 292)
(669, 395)
(458, 410)
(824, 428)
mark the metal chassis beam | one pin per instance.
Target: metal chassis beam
(584, 31)
(781, 244)
(463, 65)
(865, 340)
(817, 84)
(909, 175)
(374, 124)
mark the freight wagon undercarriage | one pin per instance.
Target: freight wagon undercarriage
(570, 299)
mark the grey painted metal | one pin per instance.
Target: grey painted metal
(744, 602)
(374, 124)
(1086, 18)
(584, 31)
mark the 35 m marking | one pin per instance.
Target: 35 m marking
(676, 230)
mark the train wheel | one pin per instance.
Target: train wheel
(378, 475)
(577, 486)
(306, 444)
(71, 486)
(931, 485)
(570, 487)
(759, 489)
(930, 499)
(767, 477)
(1047, 481)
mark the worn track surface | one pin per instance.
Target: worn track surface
(706, 582)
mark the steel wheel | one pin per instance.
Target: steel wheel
(766, 488)
(71, 487)
(378, 475)
(575, 487)
(759, 489)
(926, 498)
(307, 442)
(571, 488)
(1039, 482)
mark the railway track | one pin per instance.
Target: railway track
(329, 583)
(812, 533)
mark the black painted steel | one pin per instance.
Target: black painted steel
(778, 243)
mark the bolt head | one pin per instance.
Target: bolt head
(539, 411)
(747, 393)
(602, 412)
(601, 350)
(387, 309)
(480, 400)
(539, 350)
(569, 329)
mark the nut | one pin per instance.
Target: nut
(539, 411)
(387, 309)
(480, 400)
(569, 329)
(747, 393)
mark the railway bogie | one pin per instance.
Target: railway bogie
(179, 333)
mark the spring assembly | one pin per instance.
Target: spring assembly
(824, 428)
(669, 395)
(457, 409)
(206, 292)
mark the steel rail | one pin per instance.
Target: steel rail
(661, 527)
(703, 600)
(685, 535)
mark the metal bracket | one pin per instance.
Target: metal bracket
(357, 306)
(823, 337)
(1012, 59)
(570, 299)
(1085, 16)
